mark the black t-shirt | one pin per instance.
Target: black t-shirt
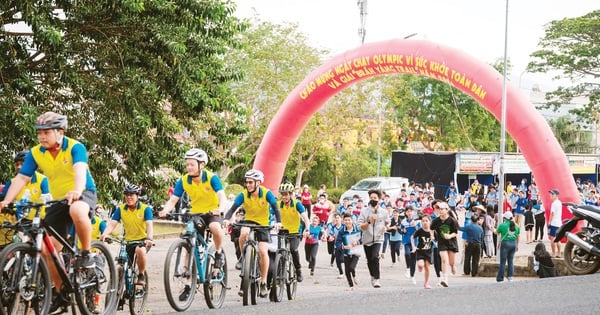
(423, 239)
(443, 227)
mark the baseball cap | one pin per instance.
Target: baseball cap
(554, 192)
(507, 215)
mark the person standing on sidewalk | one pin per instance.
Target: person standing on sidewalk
(509, 245)
(555, 222)
(540, 221)
(372, 221)
(473, 234)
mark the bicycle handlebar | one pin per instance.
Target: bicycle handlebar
(121, 241)
(253, 226)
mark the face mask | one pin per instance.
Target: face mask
(373, 203)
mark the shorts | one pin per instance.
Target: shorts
(424, 255)
(450, 245)
(552, 230)
(131, 250)
(529, 227)
(58, 217)
(260, 235)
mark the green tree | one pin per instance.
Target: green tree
(131, 75)
(276, 58)
(570, 135)
(571, 48)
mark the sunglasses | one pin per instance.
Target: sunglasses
(249, 182)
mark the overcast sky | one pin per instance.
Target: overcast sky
(473, 26)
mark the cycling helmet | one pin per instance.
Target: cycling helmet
(20, 156)
(51, 120)
(133, 189)
(255, 174)
(197, 154)
(286, 187)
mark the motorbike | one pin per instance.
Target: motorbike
(582, 251)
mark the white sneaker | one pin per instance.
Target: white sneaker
(340, 276)
(407, 273)
(414, 281)
(376, 283)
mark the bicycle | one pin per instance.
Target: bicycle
(250, 273)
(284, 271)
(190, 262)
(127, 271)
(26, 284)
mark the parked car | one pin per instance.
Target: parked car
(389, 185)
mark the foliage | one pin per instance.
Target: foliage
(570, 135)
(571, 47)
(131, 75)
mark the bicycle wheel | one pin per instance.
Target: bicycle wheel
(120, 287)
(278, 283)
(21, 292)
(254, 277)
(246, 275)
(291, 281)
(180, 280)
(215, 287)
(96, 289)
(137, 300)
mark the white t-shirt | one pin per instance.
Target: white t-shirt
(556, 210)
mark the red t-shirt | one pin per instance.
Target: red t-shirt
(322, 211)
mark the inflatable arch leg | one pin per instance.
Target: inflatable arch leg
(479, 80)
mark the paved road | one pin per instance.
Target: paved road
(323, 292)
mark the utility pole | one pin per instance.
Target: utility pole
(362, 31)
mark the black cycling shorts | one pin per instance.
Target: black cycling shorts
(58, 217)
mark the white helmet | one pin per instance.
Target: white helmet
(197, 154)
(256, 175)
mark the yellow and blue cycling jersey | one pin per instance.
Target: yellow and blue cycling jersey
(98, 227)
(257, 209)
(59, 169)
(37, 186)
(203, 195)
(134, 221)
(291, 218)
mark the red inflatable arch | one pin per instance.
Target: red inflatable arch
(482, 82)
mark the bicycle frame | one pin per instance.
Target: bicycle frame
(197, 240)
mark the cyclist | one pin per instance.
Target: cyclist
(65, 162)
(38, 189)
(136, 218)
(206, 194)
(256, 200)
(292, 215)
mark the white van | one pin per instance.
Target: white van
(389, 185)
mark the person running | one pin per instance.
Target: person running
(292, 215)
(348, 240)
(316, 233)
(136, 218)
(333, 228)
(422, 246)
(447, 229)
(65, 162)
(258, 202)
(409, 226)
(395, 236)
(372, 221)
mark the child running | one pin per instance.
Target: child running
(349, 239)
(423, 238)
